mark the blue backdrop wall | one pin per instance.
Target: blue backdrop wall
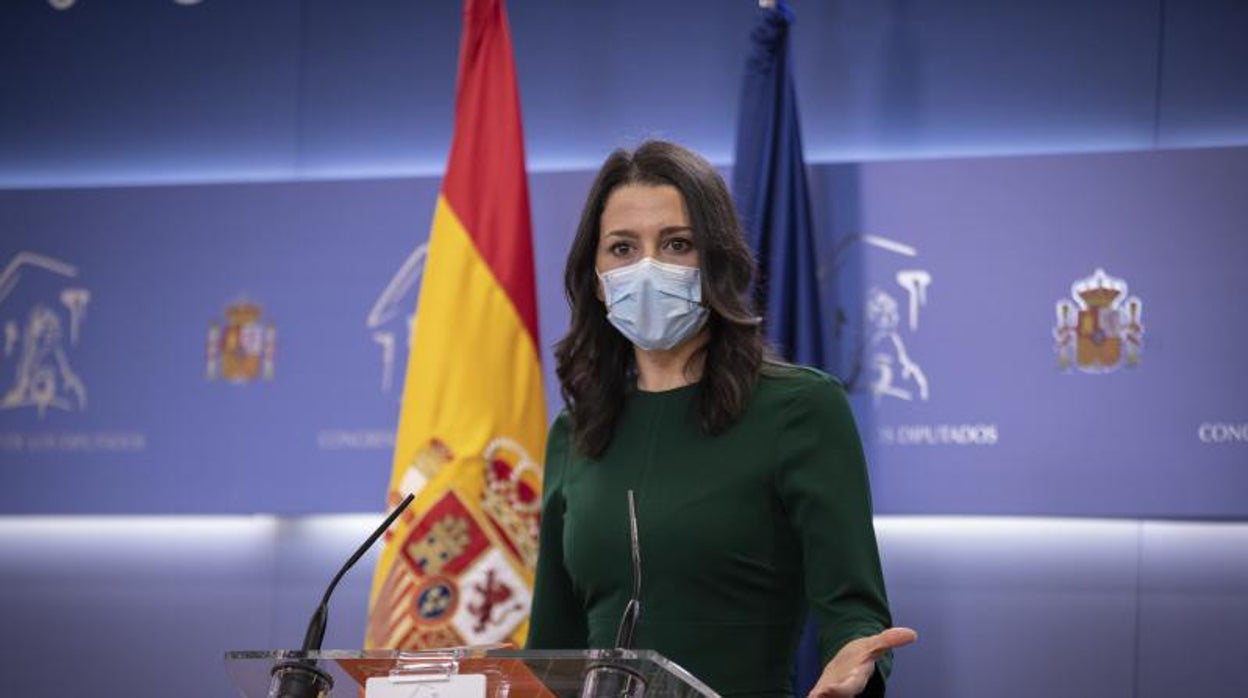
(963, 295)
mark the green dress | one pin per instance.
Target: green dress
(740, 534)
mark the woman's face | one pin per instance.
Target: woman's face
(641, 220)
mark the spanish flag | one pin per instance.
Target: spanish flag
(457, 568)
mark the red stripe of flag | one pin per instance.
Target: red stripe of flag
(485, 181)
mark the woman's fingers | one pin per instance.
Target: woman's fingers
(891, 639)
(851, 668)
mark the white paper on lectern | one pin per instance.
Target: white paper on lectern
(458, 686)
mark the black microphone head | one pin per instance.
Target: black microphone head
(299, 679)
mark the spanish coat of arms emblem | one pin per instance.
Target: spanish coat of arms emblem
(241, 349)
(1100, 330)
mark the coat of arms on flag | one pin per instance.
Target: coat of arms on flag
(451, 584)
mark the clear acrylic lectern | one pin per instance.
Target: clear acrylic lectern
(507, 673)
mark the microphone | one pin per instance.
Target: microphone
(614, 679)
(302, 678)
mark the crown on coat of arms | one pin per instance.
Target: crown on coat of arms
(1099, 290)
(512, 496)
(243, 313)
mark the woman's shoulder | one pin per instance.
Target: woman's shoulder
(807, 401)
(790, 380)
(796, 392)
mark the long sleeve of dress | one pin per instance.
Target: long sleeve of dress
(557, 620)
(822, 484)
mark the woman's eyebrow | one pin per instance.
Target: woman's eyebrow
(673, 229)
(622, 233)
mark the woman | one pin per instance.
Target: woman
(751, 491)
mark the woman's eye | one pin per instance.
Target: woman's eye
(679, 245)
(619, 249)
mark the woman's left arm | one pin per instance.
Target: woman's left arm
(822, 482)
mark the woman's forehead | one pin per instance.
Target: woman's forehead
(635, 206)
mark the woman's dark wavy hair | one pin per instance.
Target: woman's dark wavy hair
(595, 363)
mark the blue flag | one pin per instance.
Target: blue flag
(769, 185)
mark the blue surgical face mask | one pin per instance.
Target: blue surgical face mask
(654, 305)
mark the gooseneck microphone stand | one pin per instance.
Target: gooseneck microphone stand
(302, 678)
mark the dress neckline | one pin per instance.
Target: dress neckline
(664, 395)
